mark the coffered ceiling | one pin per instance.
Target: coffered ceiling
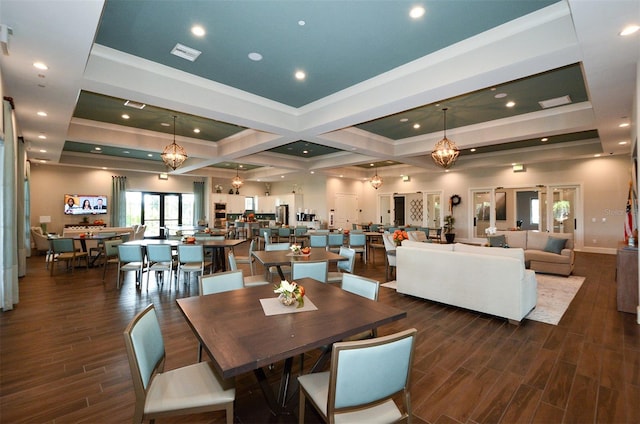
(376, 82)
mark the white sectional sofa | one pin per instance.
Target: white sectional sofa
(492, 281)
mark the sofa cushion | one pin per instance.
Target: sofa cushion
(537, 240)
(497, 241)
(430, 246)
(509, 253)
(542, 256)
(555, 245)
(515, 238)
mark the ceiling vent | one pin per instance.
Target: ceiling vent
(186, 52)
(558, 101)
(134, 105)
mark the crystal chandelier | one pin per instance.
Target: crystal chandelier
(173, 155)
(445, 152)
(376, 181)
(236, 182)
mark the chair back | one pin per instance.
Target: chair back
(387, 239)
(159, 253)
(233, 265)
(220, 282)
(300, 230)
(125, 237)
(145, 351)
(277, 246)
(130, 253)
(41, 241)
(355, 378)
(362, 286)
(335, 239)
(190, 253)
(111, 248)
(357, 239)
(318, 240)
(284, 232)
(374, 228)
(62, 245)
(321, 231)
(349, 264)
(313, 269)
(417, 235)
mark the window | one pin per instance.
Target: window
(159, 210)
(535, 211)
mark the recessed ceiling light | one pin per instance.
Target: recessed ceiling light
(40, 65)
(510, 104)
(371, 164)
(416, 126)
(301, 22)
(628, 30)
(164, 124)
(126, 152)
(597, 155)
(98, 148)
(198, 31)
(196, 130)
(281, 176)
(500, 95)
(104, 168)
(473, 150)
(125, 116)
(43, 161)
(42, 113)
(544, 139)
(404, 119)
(313, 172)
(622, 143)
(43, 151)
(300, 75)
(341, 175)
(256, 57)
(624, 125)
(42, 137)
(150, 155)
(416, 12)
(305, 152)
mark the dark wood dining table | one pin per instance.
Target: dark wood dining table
(218, 247)
(278, 258)
(239, 337)
(98, 237)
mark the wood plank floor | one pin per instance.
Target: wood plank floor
(62, 356)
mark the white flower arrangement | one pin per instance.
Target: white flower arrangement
(290, 292)
(490, 231)
(297, 250)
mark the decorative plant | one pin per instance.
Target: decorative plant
(398, 236)
(561, 210)
(290, 292)
(449, 222)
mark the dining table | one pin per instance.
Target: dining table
(248, 329)
(217, 247)
(278, 258)
(82, 238)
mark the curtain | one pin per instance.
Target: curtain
(9, 294)
(27, 206)
(118, 201)
(198, 202)
(22, 223)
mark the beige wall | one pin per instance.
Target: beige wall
(604, 182)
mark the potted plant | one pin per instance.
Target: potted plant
(449, 222)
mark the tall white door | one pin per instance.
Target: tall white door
(346, 210)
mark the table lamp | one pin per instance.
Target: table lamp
(44, 220)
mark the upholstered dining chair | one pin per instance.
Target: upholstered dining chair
(311, 269)
(273, 270)
(355, 389)
(390, 249)
(345, 266)
(284, 235)
(318, 240)
(187, 390)
(130, 258)
(335, 241)
(191, 259)
(365, 287)
(63, 249)
(249, 259)
(358, 242)
(110, 254)
(249, 280)
(218, 283)
(160, 259)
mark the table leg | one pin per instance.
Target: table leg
(276, 405)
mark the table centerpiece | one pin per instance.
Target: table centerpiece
(290, 293)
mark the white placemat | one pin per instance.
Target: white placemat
(300, 254)
(272, 306)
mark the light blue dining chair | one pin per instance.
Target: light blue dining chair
(273, 270)
(191, 259)
(110, 254)
(186, 390)
(354, 389)
(130, 258)
(284, 233)
(365, 287)
(335, 242)
(159, 259)
(318, 240)
(63, 249)
(310, 269)
(249, 280)
(344, 266)
(358, 242)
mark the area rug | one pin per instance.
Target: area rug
(555, 293)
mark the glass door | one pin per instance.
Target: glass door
(481, 201)
(564, 210)
(151, 214)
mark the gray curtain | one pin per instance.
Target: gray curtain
(9, 293)
(118, 201)
(198, 202)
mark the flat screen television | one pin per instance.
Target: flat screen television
(85, 204)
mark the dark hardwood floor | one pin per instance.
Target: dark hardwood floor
(62, 356)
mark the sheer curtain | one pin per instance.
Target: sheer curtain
(9, 294)
(118, 201)
(198, 202)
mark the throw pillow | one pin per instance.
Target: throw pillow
(555, 245)
(497, 241)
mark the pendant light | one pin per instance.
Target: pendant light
(237, 182)
(174, 155)
(445, 152)
(376, 181)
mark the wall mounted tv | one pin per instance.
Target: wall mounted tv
(85, 204)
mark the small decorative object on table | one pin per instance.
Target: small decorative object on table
(398, 236)
(290, 293)
(218, 188)
(297, 250)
